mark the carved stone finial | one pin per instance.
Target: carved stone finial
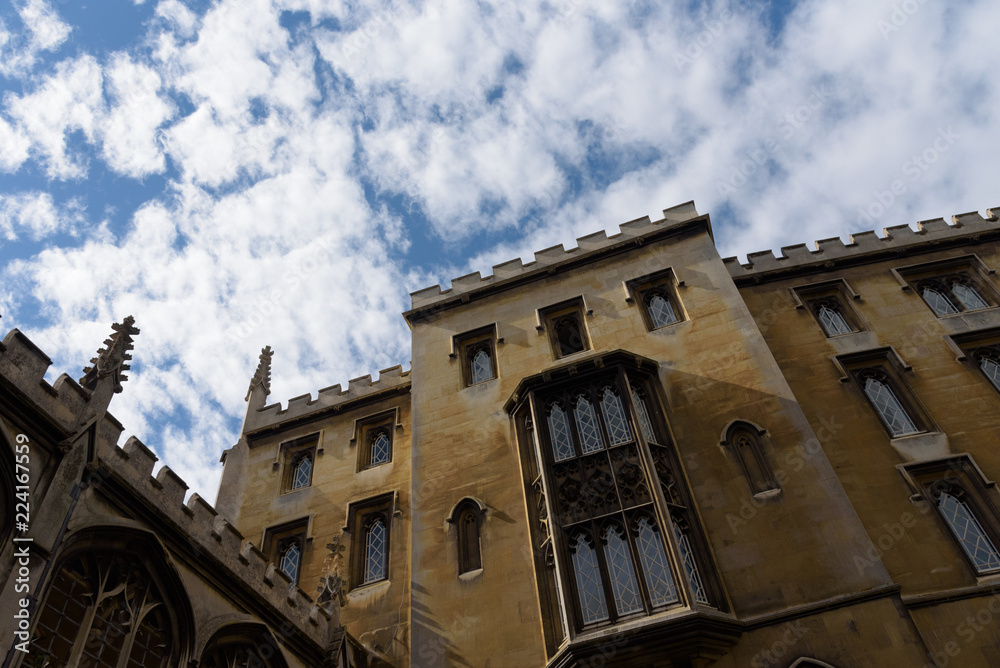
(111, 360)
(331, 584)
(262, 378)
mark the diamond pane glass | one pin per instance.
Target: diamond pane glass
(644, 422)
(586, 425)
(289, 563)
(690, 565)
(614, 417)
(303, 473)
(623, 584)
(375, 552)
(380, 449)
(482, 367)
(833, 322)
(938, 302)
(661, 312)
(970, 534)
(889, 408)
(968, 296)
(562, 442)
(588, 583)
(992, 370)
(654, 564)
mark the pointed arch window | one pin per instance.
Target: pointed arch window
(952, 286)
(831, 318)
(988, 360)
(661, 311)
(376, 544)
(467, 517)
(369, 523)
(103, 609)
(290, 558)
(883, 398)
(746, 443)
(605, 521)
(302, 471)
(976, 544)
(381, 447)
(299, 457)
(285, 546)
(477, 352)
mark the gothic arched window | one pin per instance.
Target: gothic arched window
(467, 518)
(988, 361)
(962, 521)
(290, 558)
(884, 398)
(661, 311)
(828, 312)
(481, 365)
(376, 551)
(937, 298)
(103, 609)
(745, 442)
(380, 447)
(242, 646)
(302, 471)
(605, 519)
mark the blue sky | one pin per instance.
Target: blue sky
(246, 172)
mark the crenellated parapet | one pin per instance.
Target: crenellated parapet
(552, 260)
(393, 380)
(863, 247)
(211, 536)
(22, 370)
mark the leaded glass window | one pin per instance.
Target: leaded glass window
(644, 422)
(614, 417)
(589, 586)
(380, 448)
(938, 301)
(967, 295)
(623, 584)
(659, 581)
(482, 366)
(562, 442)
(291, 558)
(832, 320)
(690, 564)
(586, 426)
(302, 476)
(991, 367)
(661, 311)
(375, 552)
(888, 407)
(102, 610)
(974, 541)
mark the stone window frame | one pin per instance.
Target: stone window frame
(547, 318)
(465, 346)
(971, 347)
(753, 459)
(360, 516)
(289, 454)
(468, 517)
(675, 517)
(278, 537)
(838, 291)
(886, 362)
(367, 428)
(664, 283)
(962, 475)
(971, 266)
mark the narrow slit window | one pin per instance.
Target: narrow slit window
(690, 564)
(468, 525)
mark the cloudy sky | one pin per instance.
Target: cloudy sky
(238, 173)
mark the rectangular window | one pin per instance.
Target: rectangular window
(566, 327)
(957, 489)
(831, 304)
(476, 350)
(374, 436)
(952, 286)
(879, 375)
(369, 523)
(285, 546)
(657, 297)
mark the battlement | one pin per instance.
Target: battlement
(23, 365)
(548, 261)
(212, 535)
(863, 246)
(332, 398)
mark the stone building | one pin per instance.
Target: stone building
(631, 453)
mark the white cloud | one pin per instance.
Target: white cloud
(44, 31)
(14, 145)
(36, 214)
(130, 127)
